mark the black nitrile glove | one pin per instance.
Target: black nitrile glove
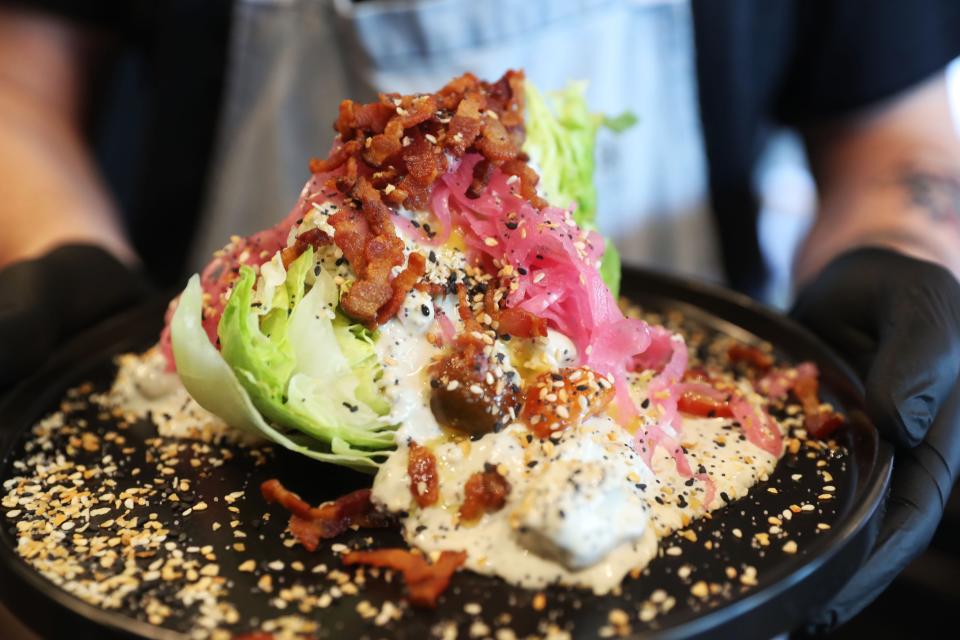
(896, 319)
(47, 300)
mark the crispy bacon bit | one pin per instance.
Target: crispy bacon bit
(311, 238)
(391, 152)
(422, 160)
(521, 323)
(528, 179)
(507, 93)
(466, 313)
(347, 180)
(402, 285)
(365, 297)
(495, 143)
(416, 109)
(312, 524)
(759, 360)
(384, 145)
(482, 172)
(704, 406)
(425, 582)
(371, 117)
(382, 250)
(485, 492)
(465, 126)
(561, 399)
(820, 422)
(352, 234)
(454, 90)
(422, 469)
(416, 196)
(336, 158)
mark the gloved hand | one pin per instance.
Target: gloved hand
(896, 319)
(49, 299)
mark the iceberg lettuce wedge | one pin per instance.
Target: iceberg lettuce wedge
(214, 385)
(299, 373)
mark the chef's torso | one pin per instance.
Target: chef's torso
(291, 61)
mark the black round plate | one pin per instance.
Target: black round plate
(790, 586)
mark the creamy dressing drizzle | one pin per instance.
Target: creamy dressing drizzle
(583, 511)
(144, 388)
(405, 355)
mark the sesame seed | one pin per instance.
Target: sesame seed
(618, 617)
(700, 589)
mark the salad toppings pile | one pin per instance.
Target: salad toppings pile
(450, 170)
(438, 308)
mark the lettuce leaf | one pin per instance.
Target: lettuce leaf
(214, 385)
(298, 375)
(561, 139)
(610, 268)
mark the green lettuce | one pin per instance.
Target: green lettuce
(295, 370)
(561, 139)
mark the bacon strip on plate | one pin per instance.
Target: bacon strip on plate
(760, 360)
(819, 422)
(425, 582)
(312, 524)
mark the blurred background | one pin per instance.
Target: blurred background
(928, 591)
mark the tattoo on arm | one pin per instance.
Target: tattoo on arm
(936, 193)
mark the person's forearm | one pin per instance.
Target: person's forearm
(890, 178)
(51, 193)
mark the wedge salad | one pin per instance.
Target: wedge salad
(438, 309)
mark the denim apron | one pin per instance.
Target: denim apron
(291, 62)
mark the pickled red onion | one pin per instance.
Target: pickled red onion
(760, 429)
(447, 330)
(711, 488)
